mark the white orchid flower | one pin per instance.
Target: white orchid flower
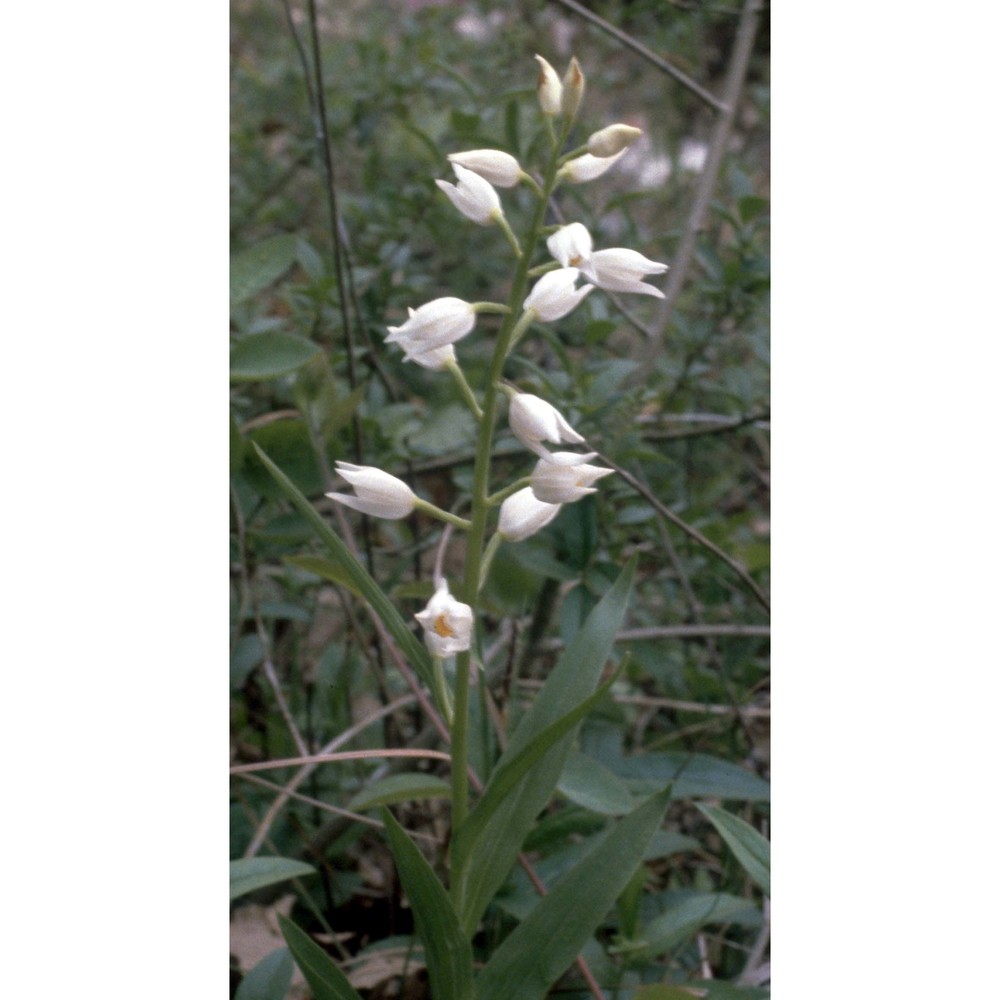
(533, 420)
(572, 89)
(564, 477)
(473, 196)
(588, 167)
(377, 493)
(555, 294)
(615, 270)
(434, 324)
(612, 140)
(493, 165)
(522, 514)
(549, 89)
(436, 359)
(447, 624)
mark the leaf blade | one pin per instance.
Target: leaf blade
(249, 874)
(752, 851)
(322, 974)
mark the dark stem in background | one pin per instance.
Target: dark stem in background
(657, 61)
(739, 62)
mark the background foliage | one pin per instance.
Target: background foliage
(406, 83)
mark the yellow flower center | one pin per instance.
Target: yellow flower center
(574, 261)
(442, 627)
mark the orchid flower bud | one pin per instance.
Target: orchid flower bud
(522, 514)
(571, 245)
(447, 624)
(573, 85)
(434, 324)
(549, 89)
(533, 420)
(493, 165)
(564, 477)
(436, 359)
(377, 493)
(473, 196)
(555, 294)
(587, 167)
(621, 270)
(612, 139)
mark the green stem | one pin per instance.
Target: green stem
(507, 491)
(467, 392)
(477, 533)
(442, 515)
(504, 225)
(491, 551)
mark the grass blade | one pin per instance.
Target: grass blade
(542, 947)
(446, 949)
(325, 980)
(752, 851)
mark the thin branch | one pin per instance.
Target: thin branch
(335, 758)
(693, 533)
(658, 61)
(335, 744)
(739, 62)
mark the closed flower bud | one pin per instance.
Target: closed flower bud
(522, 514)
(447, 624)
(549, 89)
(533, 420)
(555, 294)
(473, 196)
(493, 165)
(573, 85)
(612, 139)
(564, 477)
(621, 270)
(437, 359)
(587, 167)
(376, 492)
(434, 324)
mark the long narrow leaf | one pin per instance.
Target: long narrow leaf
(752, 851)
(541, 948)
(446, 949)
(249, 874)
(325, 980)
(358, 576)
(574, 679)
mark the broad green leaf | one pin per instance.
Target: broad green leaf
(574, 679)
(325, 980)
(752, 851)
(539, 950)
(256, 267)
(694, 775)
(359, 577)
(400, 788)
(247, 653)
(269, 979)
(446, 950)
(687, 915)
(591, 785)
(267, 355)
(248, 874)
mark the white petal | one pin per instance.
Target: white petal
(571, 245)
(587, 168)
(493, 165)
(522, 514)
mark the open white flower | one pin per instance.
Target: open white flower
(616, 270)
(377, 493)
(522, 514)
(493, 165)
(447, 624)
(434, 324)
(555, 294)
(611, 140)
(533, 420)
(549, 89)
(473, 196)
(437, 359)
(587, 167)
(564, 477)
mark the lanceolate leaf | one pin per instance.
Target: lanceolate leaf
(248, 874)
(537, 953)
(263, 356)
(446, 949)
(256, 267)
(574, 678)
(752, 851)
(358, 576)
(325, 980)
(400, 788)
